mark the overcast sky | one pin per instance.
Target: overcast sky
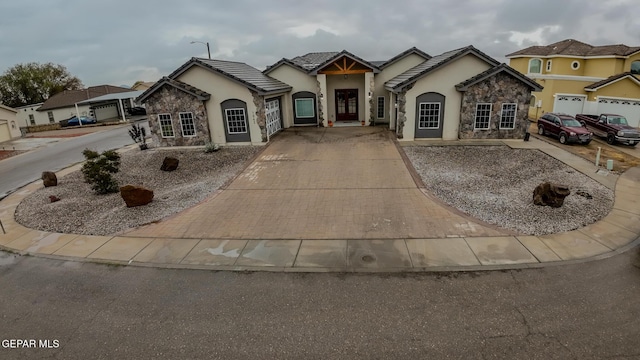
(120, 41)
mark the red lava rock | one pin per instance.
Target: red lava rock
(53, 198)
(136, 195)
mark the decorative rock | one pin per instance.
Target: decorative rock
(584, 194)
(53, 198)
(49, 179)
(136, 195)
(169, 164)
(548, 194)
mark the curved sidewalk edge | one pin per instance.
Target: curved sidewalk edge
(616, 233)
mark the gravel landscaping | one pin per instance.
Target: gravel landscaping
(496, 183)
(80, 211)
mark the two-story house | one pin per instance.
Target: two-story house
(582, 78)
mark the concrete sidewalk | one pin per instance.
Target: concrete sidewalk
(337, 200)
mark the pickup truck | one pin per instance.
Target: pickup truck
(614, 128)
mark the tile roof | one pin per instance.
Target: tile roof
(413, 50)
(69, 98)
(340, 55)
(239, 72)
(611, 79)
(418, 71)
(463, 86)
(312, 60)
(201, 95)
(283, 61)
(573, 47)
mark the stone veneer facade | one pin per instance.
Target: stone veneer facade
(498, 89)
(170, 100)
(261, 115)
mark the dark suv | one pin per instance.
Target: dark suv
(565, 127)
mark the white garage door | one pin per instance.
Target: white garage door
(569, 104)
(104, 112)
(625, 107)
(273, 116)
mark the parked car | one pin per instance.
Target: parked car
(565, 127)
(85, 120)
(612, 127)
(137, 110)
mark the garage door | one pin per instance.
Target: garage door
(569, 104)
(104, 112)
(625, 107)
(5, 134)
(273, 116)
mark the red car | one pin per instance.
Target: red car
(565, 127)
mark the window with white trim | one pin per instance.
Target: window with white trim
(508, 116)
(548, 65)
(429, 117)
(304, 108)
(483, 116)
(236, 121)
(575, 65)
(32, 120)
(187, 124)
(535, 66)
(635, 67)
(50, 115)
(166, 125)
(380, 107)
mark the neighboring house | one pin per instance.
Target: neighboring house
(112, 106)
(142, 85)
(9, 128)
(582, 78)
(462, 93)
(62, 106)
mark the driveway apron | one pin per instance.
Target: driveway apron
(318, 183)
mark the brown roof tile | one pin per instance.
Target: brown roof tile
(610, 79)
(577, 48)
(71, 97)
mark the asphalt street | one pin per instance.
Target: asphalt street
(20, 170)
(580, 311)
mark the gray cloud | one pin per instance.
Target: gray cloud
(119, 41)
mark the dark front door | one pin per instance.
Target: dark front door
(346, 104)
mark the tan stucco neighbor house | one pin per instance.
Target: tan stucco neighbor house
(462, 93)
(9, 128)
(582, 78)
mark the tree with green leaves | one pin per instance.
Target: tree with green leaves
(31, 83)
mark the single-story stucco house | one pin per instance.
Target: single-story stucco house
(9, 128)
(459, 94)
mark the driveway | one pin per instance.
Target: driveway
(310, 183)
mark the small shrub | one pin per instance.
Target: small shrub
(139, 135)
(98, 169)
(211, 147)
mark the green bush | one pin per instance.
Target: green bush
(98, 169)
(211, 147)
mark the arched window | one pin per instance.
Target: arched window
(635, 67)
(535, 66)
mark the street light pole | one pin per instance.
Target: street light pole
(207, 43)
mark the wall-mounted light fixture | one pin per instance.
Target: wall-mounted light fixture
(369, 94)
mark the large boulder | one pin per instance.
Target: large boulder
(49, 179)
(169, 164)
(548, 194)
(136, 195)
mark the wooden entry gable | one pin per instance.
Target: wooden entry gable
(345, 66)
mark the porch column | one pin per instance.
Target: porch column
(392, 112)
(369, 87)
(322, 95)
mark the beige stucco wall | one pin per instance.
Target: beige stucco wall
(627, 62)
(11, 127)
(351, 82)
(601, 67)
(299, 81)
(443, 81)
(625, 88)
(520, 64)
(222, 89)
(42, 118)
(389, 73)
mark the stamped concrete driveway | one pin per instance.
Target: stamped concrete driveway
(318, 183)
